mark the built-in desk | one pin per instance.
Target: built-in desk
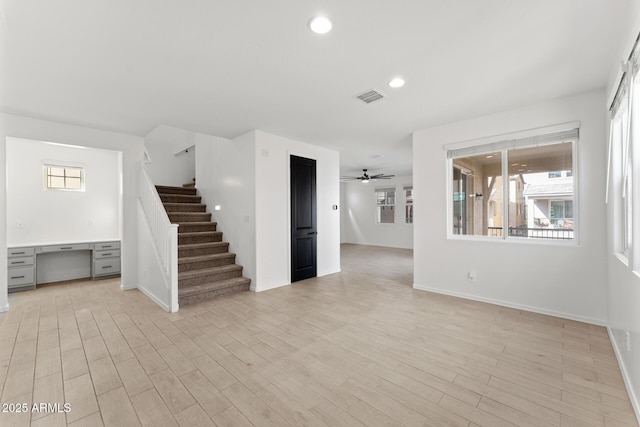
(22, 264)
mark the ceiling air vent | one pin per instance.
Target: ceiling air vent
(370, 96)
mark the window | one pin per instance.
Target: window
(561, 212)
(623, 114)
(525, 186)
(408, 204)
(64, 177)
(385, 203)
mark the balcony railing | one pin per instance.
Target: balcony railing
(534, 233)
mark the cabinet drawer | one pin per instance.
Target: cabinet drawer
(21, 261)
(106, 245)
(21, 276)
(63, 248)
(107, 254)
(20, 252)
(106, 266)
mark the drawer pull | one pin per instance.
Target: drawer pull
(107, 266)
(107, 254)
(17, 262)
(105, 246)
(17, 277)
(19, 253)
(64, 248)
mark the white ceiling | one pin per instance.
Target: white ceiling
(227, 67)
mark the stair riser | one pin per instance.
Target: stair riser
(186, 207)
(209, 278)
(196, 228)
(203, 238)
(202, 251)
(184, 217)
(176, 198)
(176, 190)
(192, 299)
(197, 265)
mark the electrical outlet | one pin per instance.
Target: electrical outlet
(471, 276)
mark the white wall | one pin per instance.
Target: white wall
(343, 208)
(249, 178)
(225, 176)
(624, 284)
(359, 214)
(167, 168)
(37, 216)
(566, 281)
(132, 149)
(273, 226)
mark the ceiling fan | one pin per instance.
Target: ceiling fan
(365, 177)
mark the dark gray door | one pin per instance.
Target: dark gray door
(303, 218)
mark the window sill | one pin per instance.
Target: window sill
(517, 241)
(622, 258)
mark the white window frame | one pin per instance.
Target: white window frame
(548, 135)
(407, 203)
(392, 205)
(46, 172)
(623, 138)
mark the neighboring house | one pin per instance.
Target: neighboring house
(549, 198)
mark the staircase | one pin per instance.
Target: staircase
(206, 269)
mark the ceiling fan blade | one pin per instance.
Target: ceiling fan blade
(381, 175)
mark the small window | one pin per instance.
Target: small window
(408, 204)
(385, 204)
(64, 177)
(555, 174)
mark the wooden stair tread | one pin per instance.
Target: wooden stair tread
(184, 204)
(206, 287)
(210, 270)
(200, 233)
(184, 260)
(167, 189)
(190, 213)
(202, 245)
(192, 197)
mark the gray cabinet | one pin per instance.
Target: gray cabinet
(21, 269)
(21, 262)
(106, 259)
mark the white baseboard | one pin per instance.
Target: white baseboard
(4, 308)
(625, 375)
(164, 306)
(509, 304)
(256, 289)
(124, 287)
(326, 273)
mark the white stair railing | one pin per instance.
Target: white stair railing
(165, 235)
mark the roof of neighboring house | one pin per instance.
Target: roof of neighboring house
(542, 190)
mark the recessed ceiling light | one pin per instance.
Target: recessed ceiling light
(396, 82)
(320, 25)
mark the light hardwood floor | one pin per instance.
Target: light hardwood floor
(358, 348)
